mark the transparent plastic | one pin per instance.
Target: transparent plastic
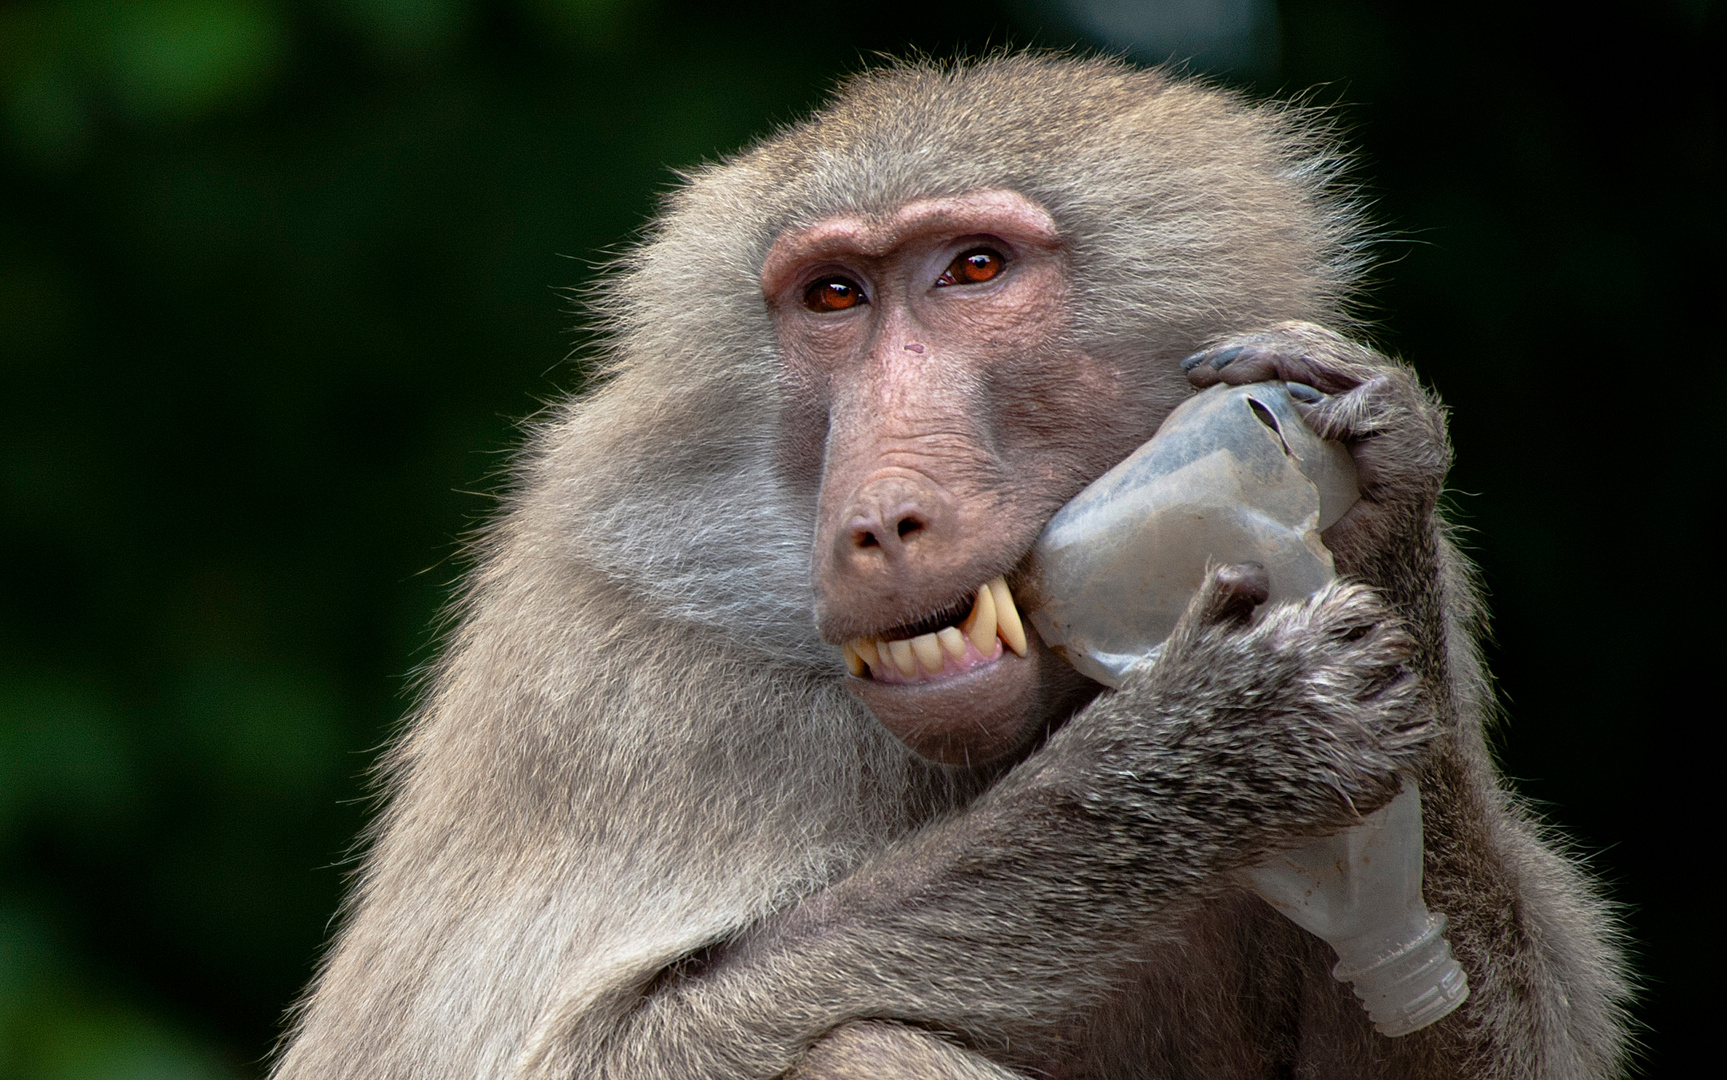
(1234, 475)
(1360, 891)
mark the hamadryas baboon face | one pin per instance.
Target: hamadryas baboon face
(959, 413)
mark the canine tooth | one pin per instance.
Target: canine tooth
(952, 640)
(982, 629)
(855, 662)
(1007, 616)
(928, 652)
(903, 658)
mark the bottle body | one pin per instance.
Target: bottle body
(1233, 475)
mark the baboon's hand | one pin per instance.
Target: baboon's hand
(1394, 429)
(1295, 723)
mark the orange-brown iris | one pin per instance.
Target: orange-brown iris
(833, 294)
(974, 267)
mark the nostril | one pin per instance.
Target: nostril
(883, 525)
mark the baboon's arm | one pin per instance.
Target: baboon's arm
(1003, 924)
(1546, 984)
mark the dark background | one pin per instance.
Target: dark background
(278, 280)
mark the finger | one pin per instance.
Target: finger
(1195, 360)
(1203, 376)
(1236, 364)
(1232, 592)
(1354, 415)
(1394, 443)
(1254, 360)
(1256, 365)
(1204, 367)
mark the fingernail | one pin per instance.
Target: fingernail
(1224, 357)
(1193, 361)
(1304, 393)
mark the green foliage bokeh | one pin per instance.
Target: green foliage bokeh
(278, 280)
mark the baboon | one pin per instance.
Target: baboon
(727, 771)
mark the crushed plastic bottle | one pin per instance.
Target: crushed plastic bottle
(1234, 475)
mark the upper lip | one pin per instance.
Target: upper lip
(950, 614)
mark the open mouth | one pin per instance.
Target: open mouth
(971, 641)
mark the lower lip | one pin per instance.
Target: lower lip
(986, 712)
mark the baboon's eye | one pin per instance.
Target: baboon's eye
(834, 294)
(974, 267)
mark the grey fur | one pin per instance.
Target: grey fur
(639, 829)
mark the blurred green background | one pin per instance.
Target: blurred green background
(278, 280)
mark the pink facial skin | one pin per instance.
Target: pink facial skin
(942, 421)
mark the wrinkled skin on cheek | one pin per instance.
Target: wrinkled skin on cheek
(931, 376)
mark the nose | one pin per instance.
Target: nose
(890, 522)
